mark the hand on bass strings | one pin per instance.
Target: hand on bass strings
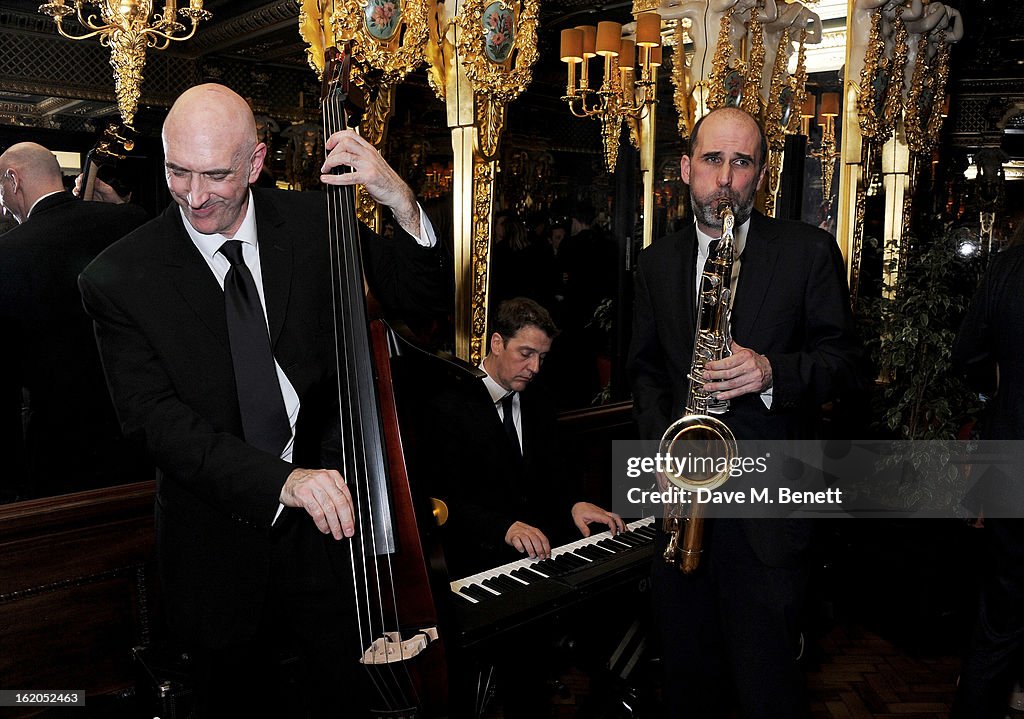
(325, 497)
(347, 148)
(528, 540)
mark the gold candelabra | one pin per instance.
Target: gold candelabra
(125, 26)
(628, 88)
(827, 152)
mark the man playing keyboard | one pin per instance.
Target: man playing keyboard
(499, 466)
(504, 477)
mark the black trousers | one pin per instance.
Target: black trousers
(302, 661)
(994, 657)
(730, 630)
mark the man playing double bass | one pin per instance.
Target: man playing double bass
(249, 508)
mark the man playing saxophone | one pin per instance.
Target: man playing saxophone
(733, 624)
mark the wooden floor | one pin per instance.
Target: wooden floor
(856, 674)
(863, 675)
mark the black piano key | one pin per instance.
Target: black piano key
(525, 575)
(647, 531)
(531, 574)
(509, 584)
(506, 584)
(492, 583)
(630, 539)
(477, 592)
(571, 560)
(594, 553)
(550, 568)
(611, 545)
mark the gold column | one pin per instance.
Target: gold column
(646, 135)
(480, 60)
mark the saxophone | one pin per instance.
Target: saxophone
(698, 431)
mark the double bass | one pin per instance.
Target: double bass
(402, 652)
(114, 143)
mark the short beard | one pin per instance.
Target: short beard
(706, 209)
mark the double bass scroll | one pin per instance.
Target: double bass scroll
(113, 145)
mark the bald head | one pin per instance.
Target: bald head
(212, 108)
(211, 155)
(739, 117)
(27, 172)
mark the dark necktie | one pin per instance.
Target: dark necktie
(264, 420)
(510, 422)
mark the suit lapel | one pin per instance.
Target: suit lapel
(191, 275)
(679, 282)
(276, 257)
(760, 256)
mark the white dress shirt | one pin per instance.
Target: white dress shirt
(498, 393)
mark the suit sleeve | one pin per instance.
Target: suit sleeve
(241, 481)
(829, 361)
(652, 394)
(405, 277)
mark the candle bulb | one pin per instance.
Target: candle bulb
(609, 38)
(571, 45)
(197, 4)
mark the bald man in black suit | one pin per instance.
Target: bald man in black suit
(51, 352)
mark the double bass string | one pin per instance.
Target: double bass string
(361, 429)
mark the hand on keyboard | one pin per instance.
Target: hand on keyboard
(528, 540)
(585, 513)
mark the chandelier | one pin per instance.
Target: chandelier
(126, 28)
(627, 89)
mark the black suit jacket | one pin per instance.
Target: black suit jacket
(486, 485)
(51, 350)
(161, 326)
(792, 305)
(993, 334)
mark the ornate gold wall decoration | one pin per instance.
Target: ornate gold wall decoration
(881, 86)
(481, 54)
(720, 64)
(388, 40)
(750, 100)
(682, 95)
(922, 117)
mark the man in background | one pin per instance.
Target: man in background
(69, 439)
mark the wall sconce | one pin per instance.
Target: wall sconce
(126, 28)
(827, 153)
(807, 113)
(627, 89)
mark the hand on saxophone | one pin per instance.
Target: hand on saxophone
(742, 372)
